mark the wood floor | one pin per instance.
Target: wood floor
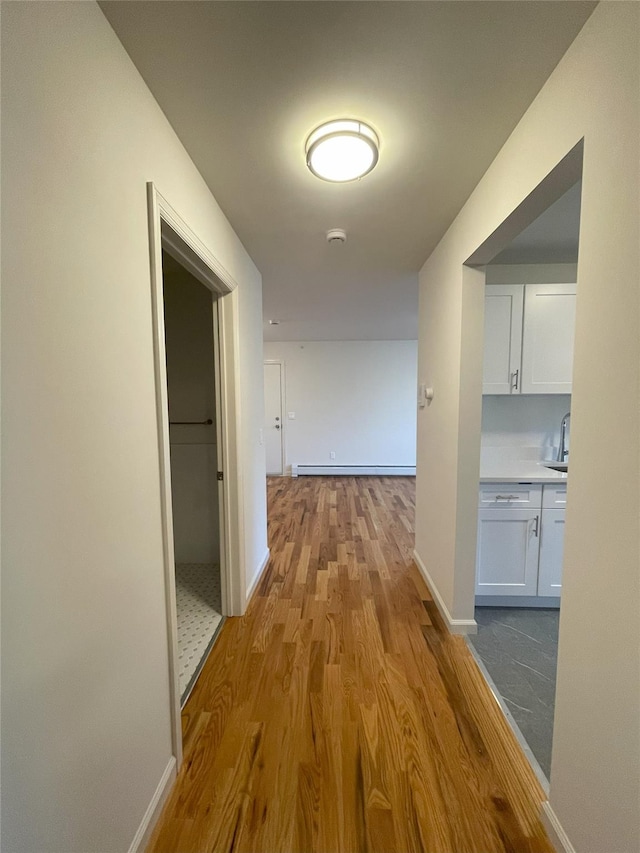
(339, 714)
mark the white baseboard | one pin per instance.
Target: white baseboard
(354, 470)
(259, 573)
(455, 626)
(556, 833)
(142, 836)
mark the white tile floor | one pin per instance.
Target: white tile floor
(199, 598)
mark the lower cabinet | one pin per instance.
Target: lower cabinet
(551, 551)
(508, 547)
(519, 550)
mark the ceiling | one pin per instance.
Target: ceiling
(550, 239)
(443, 83)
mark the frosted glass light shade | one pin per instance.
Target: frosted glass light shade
(342, 150)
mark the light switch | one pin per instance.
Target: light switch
(292, 416)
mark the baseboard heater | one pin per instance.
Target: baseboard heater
(354, 470)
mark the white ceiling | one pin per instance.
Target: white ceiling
(443, 83)
(550, 239)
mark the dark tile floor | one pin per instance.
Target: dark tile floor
(519, 648)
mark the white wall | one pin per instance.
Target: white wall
(356, 398)
(531, 273)
(188, 311)
(523, 420)
(592, 94)
(86, 725)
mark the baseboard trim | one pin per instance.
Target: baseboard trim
(142, 836)
(455, 626)
(556, 833)
(354, 470)
(546, 602)
(258, 577)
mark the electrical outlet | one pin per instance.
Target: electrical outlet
(332, 455)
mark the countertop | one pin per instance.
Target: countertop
(516, 465)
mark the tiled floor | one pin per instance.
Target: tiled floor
(519, 648)
(199, 599)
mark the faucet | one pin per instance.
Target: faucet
(563, 453)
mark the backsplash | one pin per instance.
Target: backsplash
(531, 421)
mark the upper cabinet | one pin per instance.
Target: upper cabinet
(528, 338)
(503, 310)
(547, 338)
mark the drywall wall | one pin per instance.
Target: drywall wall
(188, 322)
(86, 734)
(356, 399)
(593, 95)
(531, 273)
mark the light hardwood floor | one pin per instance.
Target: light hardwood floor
(339, 714)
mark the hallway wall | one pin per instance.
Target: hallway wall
(86, 734)
(593, 95)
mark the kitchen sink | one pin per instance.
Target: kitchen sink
(563, 467)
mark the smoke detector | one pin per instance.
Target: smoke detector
(336, 235)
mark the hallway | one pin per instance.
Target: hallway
(338, 714)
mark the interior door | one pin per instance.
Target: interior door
(273, 417)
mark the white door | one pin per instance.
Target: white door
(503, 306)
(551, 552)
(547, 341)
(508, 543)
(273, 417)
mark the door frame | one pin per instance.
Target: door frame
(283, 454)
(167, 230)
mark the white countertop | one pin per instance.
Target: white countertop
(517, 465)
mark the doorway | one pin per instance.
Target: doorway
(273, 417)
(168, 232)
(191, 366)
(530, 305)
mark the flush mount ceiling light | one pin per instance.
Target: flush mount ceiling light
(343, 150)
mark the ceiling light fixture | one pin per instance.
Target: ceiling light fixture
(343, 150)
(336, 235)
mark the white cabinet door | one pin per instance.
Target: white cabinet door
(547, 338)
(503, 307)
(551, 551)
(507, 557)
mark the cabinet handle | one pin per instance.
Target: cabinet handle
(515, 376)
(506, 497)
(536, 525)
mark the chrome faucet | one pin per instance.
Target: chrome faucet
(563, 453)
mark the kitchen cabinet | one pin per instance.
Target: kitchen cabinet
(528, 338)
(547, 338)
(510, 496)
(520, 540)
(551, 552)
(503, 312)
(508, 548)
